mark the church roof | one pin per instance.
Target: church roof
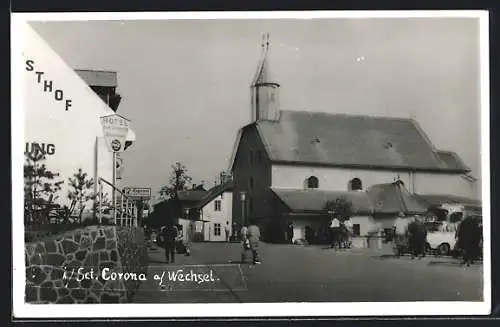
(390, 198)
(316, 199)
(438, 199)
(341, 140)
(394, 197)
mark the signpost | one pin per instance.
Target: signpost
(115, 129)
(137, 193)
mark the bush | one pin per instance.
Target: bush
(133, 252)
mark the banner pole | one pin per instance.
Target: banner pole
(114, 186)
(100, 201)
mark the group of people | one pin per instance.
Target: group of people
(413, 235)
(340, 233)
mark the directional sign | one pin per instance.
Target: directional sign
(137, 192)
(115, 128)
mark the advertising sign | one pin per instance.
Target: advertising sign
(137, 193)
(115, 128)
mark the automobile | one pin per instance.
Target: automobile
(441, 242)
(441, 238)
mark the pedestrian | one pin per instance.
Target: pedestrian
(347, 229)
(253, 236)
(334, 232)
(469, 239)
(290, 233)
(169, 237)
(400, 232)
(227, 231)
(417, 237)
(309, 234)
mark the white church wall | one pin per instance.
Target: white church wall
(62, 112)
(337, 179)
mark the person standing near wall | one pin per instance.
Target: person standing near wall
(289, 233)
(227, 231)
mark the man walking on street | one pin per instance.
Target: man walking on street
(334, 232)
(169, 236)
(253, 236)
(289, 233)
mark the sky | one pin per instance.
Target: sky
(185, 83)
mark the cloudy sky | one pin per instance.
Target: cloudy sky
(185, 84)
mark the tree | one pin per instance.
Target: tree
(179, 179)
(80, 191)
(342, 208)
(40, 189)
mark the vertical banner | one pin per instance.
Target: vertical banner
(115, 129)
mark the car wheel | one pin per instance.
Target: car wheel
(444, 249)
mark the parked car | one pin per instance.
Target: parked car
(441, 238)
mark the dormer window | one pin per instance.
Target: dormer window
(312, 182)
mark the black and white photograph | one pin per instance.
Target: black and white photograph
(299, 163)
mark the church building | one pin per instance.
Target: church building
(287, 164)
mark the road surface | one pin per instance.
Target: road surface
(291, 273)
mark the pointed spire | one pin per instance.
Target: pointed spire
(263, 74)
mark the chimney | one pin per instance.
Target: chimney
(194, 186)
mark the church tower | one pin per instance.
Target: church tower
(265, 89)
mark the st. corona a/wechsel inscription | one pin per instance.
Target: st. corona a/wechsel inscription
(48, 85)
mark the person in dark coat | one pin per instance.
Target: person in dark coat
(289, 233)
(417, 237)
(469, 239)
(168, 237)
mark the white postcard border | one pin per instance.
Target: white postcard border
(24, 310)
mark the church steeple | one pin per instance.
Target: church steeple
(265, 89)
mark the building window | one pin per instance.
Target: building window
(312, 182)
(356, 229)
(250, 182)
(356, 184)
(250, 157)
(259, 156)
(217, 229)
(218, 205)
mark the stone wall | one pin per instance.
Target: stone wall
(55, 266)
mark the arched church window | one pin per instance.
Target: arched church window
(312, 182)
(356, 184)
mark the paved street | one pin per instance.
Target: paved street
(316, 274)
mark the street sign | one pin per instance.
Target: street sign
(137, 193)
(115, 129)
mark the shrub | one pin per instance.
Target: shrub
(133, 254)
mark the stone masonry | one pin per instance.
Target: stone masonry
(52, 267)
